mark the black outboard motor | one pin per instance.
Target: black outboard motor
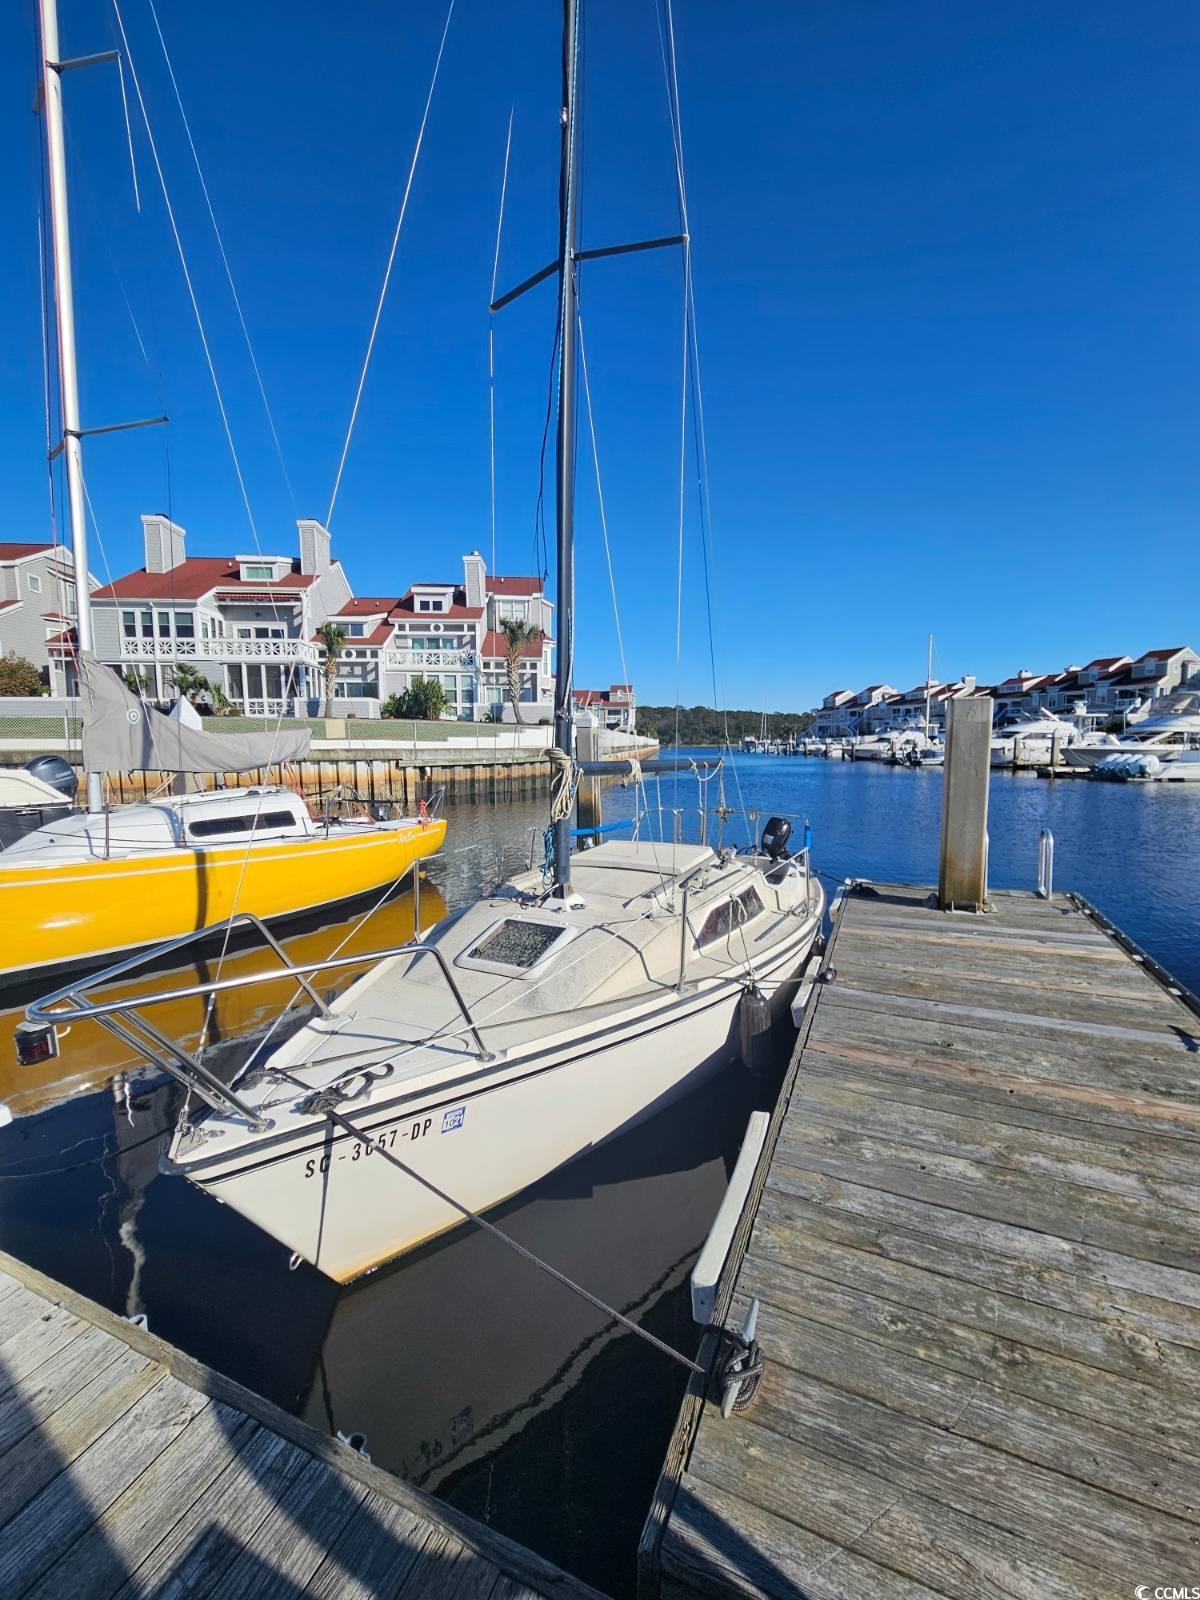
(775, 838)
(59, 774)
(18, 820)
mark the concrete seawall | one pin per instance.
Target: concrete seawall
(467, 767)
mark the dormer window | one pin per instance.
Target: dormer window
(263, 569)
(429, 603)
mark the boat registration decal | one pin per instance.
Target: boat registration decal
(454, 1118)
(359, 1149)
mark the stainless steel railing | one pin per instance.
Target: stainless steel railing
(37, 1037)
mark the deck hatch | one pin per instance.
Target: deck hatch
(519, 945)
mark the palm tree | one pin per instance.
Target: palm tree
(189, 683)
(334, 639)
(516, 636)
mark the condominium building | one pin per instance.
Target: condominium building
(37, 597)
(1109, 686)
(250, 624)
(452, 632)
(614, 708)
(244, 622)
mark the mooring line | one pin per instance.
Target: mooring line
(473, 1216)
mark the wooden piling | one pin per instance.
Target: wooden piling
(962, 862)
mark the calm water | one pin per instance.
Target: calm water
(470, 1372)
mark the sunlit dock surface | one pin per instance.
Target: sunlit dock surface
(978, 1262)
(126, 1468)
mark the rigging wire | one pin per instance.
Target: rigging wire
(666, 34)
(639, 782)
(212, 217)
(187, 276)
(387, 275)
(492, 338)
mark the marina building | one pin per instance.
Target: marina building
(614, 707)
(251, 625)
(37, 596)
(453, 632)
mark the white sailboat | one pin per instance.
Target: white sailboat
(521, 1032)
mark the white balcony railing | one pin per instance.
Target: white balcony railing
(419, 660)
(219, 650)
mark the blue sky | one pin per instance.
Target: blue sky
(946, 263)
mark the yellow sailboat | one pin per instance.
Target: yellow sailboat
(102, 881)
(112, 879)
(90, 1055)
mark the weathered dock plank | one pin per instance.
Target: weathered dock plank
(975, 1248)
(128, 1469)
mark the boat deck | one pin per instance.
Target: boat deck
(128, 1469)
(974, 1240)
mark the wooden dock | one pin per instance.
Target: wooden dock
(128, 1469)
(975, 1242)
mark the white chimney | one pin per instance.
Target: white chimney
(314, 546)
(476, 578)
(164, 544)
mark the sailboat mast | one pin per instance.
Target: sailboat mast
(928, 681)
(64, 308)
(568, 198)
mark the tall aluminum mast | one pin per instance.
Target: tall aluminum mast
(568, 197)
(64, 308)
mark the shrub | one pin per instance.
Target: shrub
(18, 676)
(423, 701)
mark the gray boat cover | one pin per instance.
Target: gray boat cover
(123, 734)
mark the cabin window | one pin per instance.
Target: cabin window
(516, 945)
(228, 827)
(730, 914)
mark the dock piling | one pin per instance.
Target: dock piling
(962, 862)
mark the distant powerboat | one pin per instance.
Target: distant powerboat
(1167, 738)
(1037, 731)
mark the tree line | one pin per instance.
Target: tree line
(702, 725)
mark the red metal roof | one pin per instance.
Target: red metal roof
(495, 647)
(14, 552)
(514, 586)
(193, 579)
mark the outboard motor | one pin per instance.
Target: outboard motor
(59, 774)
(49, 800)
(775, 838)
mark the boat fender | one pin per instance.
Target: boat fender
(754, 1027)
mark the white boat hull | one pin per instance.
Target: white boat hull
(486, 1135)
